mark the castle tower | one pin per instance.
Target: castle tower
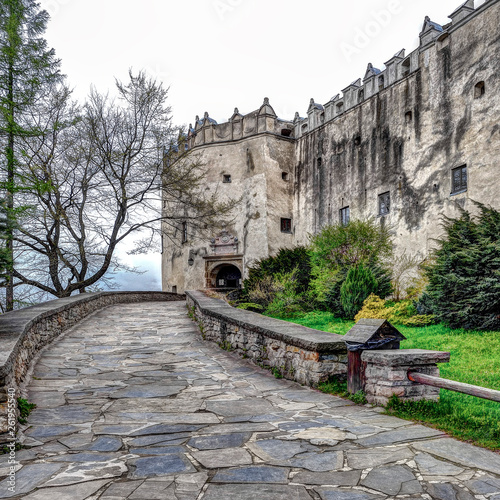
(251, 158)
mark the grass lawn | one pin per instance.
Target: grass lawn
(475, 359)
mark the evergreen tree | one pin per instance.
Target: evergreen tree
(27, 70)
(464, 280)
(357, 287)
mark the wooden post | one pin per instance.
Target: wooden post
(355, 372)
(451, 385)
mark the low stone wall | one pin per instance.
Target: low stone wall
(295, 352)
(386, 373)
(25, 332)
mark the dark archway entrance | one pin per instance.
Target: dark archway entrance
(228, 277)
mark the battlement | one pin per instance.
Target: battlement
(375, 81)
(261, 121)
(397, 68)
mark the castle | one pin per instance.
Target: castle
(406, 144)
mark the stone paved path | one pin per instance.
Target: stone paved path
(133, 404)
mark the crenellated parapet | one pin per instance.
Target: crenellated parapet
(261, 121)
(397, 68)
(375, 81)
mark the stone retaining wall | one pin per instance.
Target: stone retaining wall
(25, 332)
(386, 374)
(292, 351)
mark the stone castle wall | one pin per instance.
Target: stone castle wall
(408, 137)
(400, 132)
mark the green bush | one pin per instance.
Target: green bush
(339, 250)
(285, 261)
(403, 312)
(287, 300)
(358, 285)
(464, 279)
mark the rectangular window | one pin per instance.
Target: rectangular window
(384, 203)
(345, 216)
(459, 179)
(286, 225)
(184, 232)
(174, 288)
(226, 178)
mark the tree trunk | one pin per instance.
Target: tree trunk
(9, 290)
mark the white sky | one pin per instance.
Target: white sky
(216, 55)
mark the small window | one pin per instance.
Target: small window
(384, 203)
(459, 179)
(345, 216)
(286, 225)
(361, 96)
(226, 178)
(319, 162)
(184, 232)
(340, 107)
(174, 289)
(357, 140)
(479, 90)
(408, 116)
(322, 118)
(284, 176)
(286, 132)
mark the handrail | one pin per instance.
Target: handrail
(452, 385)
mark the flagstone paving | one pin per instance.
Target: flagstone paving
(133, 404)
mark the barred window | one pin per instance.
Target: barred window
(384, 203)
(459, 179)
(345, 216)
(286, 225)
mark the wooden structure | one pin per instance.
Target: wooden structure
(367, 334)
(451, 385)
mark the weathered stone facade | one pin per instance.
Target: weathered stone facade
(292, 351)
(408, 145)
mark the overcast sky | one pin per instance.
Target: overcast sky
(216, 55)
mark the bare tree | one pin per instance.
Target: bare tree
(99, 172)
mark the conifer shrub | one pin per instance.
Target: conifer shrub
(282, 279)
(286, 260)
(358, 285)
(464, 278)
